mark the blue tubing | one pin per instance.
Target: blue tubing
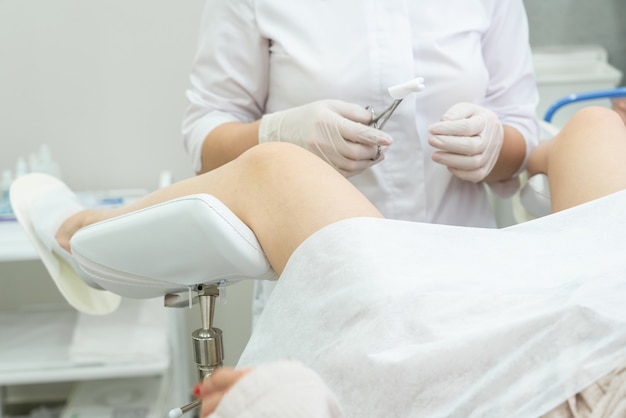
(579, 97)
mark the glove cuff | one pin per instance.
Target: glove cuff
(269, 127)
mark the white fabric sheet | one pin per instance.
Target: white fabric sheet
(419, 320)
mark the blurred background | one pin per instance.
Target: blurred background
(101, 85)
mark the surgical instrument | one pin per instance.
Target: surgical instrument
(398, 92)
(178, 412)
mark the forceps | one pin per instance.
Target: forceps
(379, 121)
(398, 92)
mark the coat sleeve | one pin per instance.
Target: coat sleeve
(512, 90)
(229, 76)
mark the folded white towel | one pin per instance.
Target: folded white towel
(136, 332)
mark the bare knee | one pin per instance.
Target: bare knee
(278, 150)
(591, 132)
(279, 158)
(593, 124)
(596, 116)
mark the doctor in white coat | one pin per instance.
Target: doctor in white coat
(273, 70)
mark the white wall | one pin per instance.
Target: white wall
(575, 22)
(103, 82)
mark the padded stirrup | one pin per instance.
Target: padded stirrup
(169, 247)
(535, 196)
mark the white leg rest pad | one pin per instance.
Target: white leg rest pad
(533, 200)
(535, 196)
(169, 247)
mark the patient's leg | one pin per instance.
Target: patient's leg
(282, 192)
(586, 160)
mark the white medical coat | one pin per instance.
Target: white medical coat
(257, 57)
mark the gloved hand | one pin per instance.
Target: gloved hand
(469, 138)
(334, 130)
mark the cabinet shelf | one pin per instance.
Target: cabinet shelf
(38, 344)
(35, 348)
(14, 245)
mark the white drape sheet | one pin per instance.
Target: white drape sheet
(418, 320)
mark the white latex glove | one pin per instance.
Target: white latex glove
(469, 139)
(334, 130)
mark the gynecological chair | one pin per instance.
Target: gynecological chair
(219, 250)
(147, 260)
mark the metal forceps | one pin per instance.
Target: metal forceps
(398, 92)
(379, 121)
